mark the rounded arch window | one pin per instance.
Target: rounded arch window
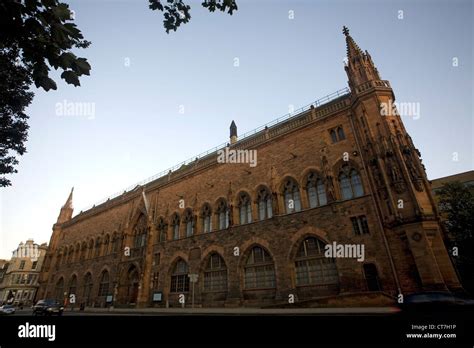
(312, 266)
(179, 277)
(215, 274)
(259, 269)
(104, 284)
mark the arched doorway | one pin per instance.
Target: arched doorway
(133, 281)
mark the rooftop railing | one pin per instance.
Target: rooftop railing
(289, 116)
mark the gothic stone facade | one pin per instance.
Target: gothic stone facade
(339, 171)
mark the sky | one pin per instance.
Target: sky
(157, 99)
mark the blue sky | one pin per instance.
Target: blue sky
(142, 78)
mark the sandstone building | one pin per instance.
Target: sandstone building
(19, 277)
(338, 171)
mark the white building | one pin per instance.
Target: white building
(20, 279)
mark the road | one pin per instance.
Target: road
(371, 311)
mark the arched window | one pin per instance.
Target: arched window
(315, 190)
(312, 267)
(188, 220)
(245, 208)
(59, 291)
(206, 215)
(115, 242)
(215, 274)
(66, 254)
(259, 270)
(104, 284)
(264, 199)
(83, 251)
(351, 183)
(333, 136)
(291, 193)
(87, 288)
(222, 212)
(91, 249)
(340, 133)
(97, 247)
(175, 225)
(77, 258)
(106, 245)
(179, 277)
(73, 285)
(140, 232)
(70, 254)
(59, 258)
(162, 229)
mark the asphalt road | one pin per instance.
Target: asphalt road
(369, 311)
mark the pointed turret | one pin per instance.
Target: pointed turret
(359, 68)
(233, 132)
(66, 211)
(353, 49)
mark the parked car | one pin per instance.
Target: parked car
(437, 300)
(48, 307)
(7, 309)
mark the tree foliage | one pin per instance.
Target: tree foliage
(456, 203)
(14, 98)
(176, 12)
(37, 35)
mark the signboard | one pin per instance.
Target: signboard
(157, 296)
(109, 298)
(193, 278)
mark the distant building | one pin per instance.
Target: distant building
(3, 269)
(466, 178)
(19, 276)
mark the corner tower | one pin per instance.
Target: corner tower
(397, 177)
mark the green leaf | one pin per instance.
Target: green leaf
(67, 59)
(71, 77)
(81, 67)
(46, 83)
(62, 12)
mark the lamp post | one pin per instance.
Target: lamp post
(193, 278)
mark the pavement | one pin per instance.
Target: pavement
(222, 311)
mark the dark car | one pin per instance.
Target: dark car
(48, 307)
(437, 300)
(7, 309)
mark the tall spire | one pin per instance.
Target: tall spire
(68, 203)
(353, 50)
(66, 211)
(359, 68)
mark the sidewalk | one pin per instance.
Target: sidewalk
(246, 311)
